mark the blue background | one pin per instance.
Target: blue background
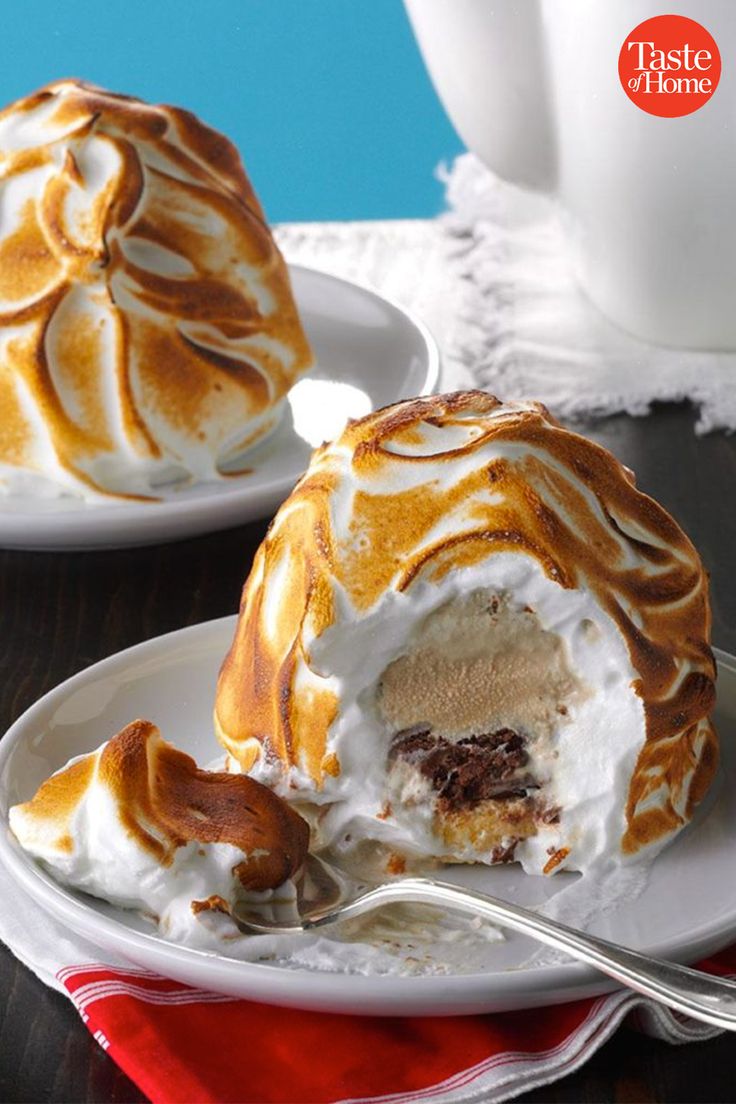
(327, 100)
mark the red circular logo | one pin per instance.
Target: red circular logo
(669, 65)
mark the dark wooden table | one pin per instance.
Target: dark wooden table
(60, 613)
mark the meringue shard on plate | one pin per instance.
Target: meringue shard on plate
(138, 824)
(468, 636)
(148, 332)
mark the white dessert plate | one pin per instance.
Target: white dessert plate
(369, 352)
(686, 910)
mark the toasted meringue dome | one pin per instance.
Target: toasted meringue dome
(468, 636)
(138, 824)
(148, 332)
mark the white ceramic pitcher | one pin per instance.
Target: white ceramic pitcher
(532, 87)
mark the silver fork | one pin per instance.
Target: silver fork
(327, 896)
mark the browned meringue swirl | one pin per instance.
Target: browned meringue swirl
(164, 801)
(146, 314)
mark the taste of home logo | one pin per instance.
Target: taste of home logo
(669, 65)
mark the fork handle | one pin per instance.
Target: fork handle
(692, 992)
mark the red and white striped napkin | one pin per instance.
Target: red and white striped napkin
(185, 1044)
(182, 1044)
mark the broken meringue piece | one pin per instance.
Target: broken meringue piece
(138, 824)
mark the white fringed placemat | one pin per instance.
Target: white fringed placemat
(492, 280)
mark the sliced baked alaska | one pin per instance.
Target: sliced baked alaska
(468, 637)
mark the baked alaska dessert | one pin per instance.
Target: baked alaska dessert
(138, 824)
(468, 637)
(148, 331)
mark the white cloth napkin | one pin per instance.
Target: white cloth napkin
(493, 281)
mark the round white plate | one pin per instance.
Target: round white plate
(369, 352)
(688, 908)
